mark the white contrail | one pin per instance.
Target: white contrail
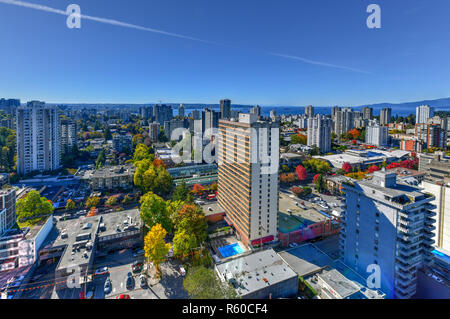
(292, 57)
(103, 20)
(137, 27)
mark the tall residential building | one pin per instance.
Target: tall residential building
(247, 187)
(376, 134)
(7, 209)
(225, 109)
(441, 191)
(423, 113)
(309, 111)
(172, 125)
(256, 110)
(162, 113)
(146, 112)
(9, 106)
(387, 224)
(367, 113)
(154, 131)
(210, 119)
(38, 138)
(196, 114)
(343, 120)
(319, 132)
(69, 136)
(437, 182)
(385, 116)
(431, 135)
(123, 142)
(181, 110)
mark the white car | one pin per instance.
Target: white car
(101, 271)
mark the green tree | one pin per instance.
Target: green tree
(111, 201)
(155, 247)
(183, 243)
(107, 133)
(150, 178)
(183, 193)
(126, 200)
(92, 202)
(142, 152)
(33, 205)
(101, 159)
(70, 205)
(191, 219)
(202, 283)
(154, 211)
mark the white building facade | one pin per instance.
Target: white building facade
(38, 138)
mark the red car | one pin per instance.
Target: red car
(123, 297)
(82, 296)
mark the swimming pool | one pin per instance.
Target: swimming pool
(231, 250)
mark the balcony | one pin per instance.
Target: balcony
(407, 253)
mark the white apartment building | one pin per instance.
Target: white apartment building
(423, 113)
(38, 137)
(319, 132)
(441, 192)
(377, 135)
(388, 224)
(69, 136)
(248, 155)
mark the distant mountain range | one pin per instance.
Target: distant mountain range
(438, 104)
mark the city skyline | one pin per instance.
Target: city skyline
(291, 58)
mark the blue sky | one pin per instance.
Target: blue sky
(406, 60)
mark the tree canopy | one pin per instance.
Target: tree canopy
(202, 283)
(33, 205)
(154, 210)
(155, 247)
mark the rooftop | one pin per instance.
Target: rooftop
(255, 272)
(305, 260)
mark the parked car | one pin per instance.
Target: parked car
(107, 289)
(137, 266)
(140, 252)
(182, 271)
(101, 271)
(130, 281)
(143, 281)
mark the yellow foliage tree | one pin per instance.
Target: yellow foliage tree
(155, 247)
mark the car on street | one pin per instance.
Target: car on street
(292, 245)
(143, 281)
(123, 297)
(130, 281)
(107, 288)
(137, 266)
(101, 271)
(139, 253)
(182, 271)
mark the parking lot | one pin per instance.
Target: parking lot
(119, 265)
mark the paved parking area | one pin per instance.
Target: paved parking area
(119, 264)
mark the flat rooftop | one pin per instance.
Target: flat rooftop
(358, 156)
(255, 272)
(305, 260)
(212, 208)
(108, 171)
(298, 217)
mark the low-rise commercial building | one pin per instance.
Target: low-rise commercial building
(109, 177)
(261, 275)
